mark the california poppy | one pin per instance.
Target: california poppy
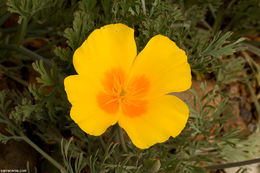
(115, 85)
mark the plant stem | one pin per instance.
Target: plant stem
(45, 155)
(234, 164)
(143, 6)
(23, 30)
(22, 136)
(220, 16)
(102, 143)
(126, 167)
(27, 52)
(113, 134)
(48, 46)
(122, 140)
(257, 106)
(13, 76)
(255, 100)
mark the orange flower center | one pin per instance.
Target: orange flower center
(118, 94)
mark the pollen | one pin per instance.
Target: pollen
(123, 95)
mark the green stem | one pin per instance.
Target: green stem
(255, 101)
(102, 143)
(45, 155)
(23, 31)
(22, 136)
(143, 6)
(9, 123)
(220, 16)
(126, 167)
(113, 134)
(13, 76)
(122, 140)
(48, 46)
(234, 164)
(9, 30)
(211, 9)
(27, 52)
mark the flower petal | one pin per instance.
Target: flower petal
(165, 65)
(166, 116)
(109, 47)
(82, 93)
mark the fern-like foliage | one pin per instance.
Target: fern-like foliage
(80, 30)
(27, 8)
(47, 79)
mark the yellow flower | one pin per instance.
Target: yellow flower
(114, 84)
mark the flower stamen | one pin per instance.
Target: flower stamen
(129, 98)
